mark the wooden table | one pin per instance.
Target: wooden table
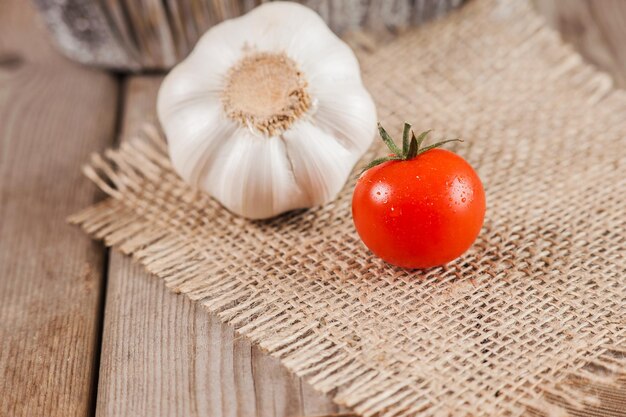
(85, 331)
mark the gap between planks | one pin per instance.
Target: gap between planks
(163, 355)
(50, 272)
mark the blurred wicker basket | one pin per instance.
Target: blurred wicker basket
(155, 34)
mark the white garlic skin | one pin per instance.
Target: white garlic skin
(252, 174)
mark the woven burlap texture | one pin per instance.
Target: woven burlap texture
(538, 301)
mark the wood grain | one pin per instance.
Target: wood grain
(134, 35)
(163, 355)
(597, 29)
(53, 113)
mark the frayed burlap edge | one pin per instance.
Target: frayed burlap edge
(135, 231)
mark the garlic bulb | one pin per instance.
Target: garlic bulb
(268, 113)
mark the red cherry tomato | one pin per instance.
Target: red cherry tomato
(421, 212)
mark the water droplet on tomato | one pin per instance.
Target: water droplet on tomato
(463, 199)
(380, 193)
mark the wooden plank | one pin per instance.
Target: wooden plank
(163, 355)
(597, 29)
(53, 113)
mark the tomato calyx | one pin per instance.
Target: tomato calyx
(411, 146)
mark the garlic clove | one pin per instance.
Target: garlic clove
(332, 62)
(286, 26)
(251, 176)
(347, 116)
(320, 164)
(220, 47)
(186, 84)
(303, 35)
(193, 141)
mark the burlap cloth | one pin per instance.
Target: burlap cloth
(527, 321)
